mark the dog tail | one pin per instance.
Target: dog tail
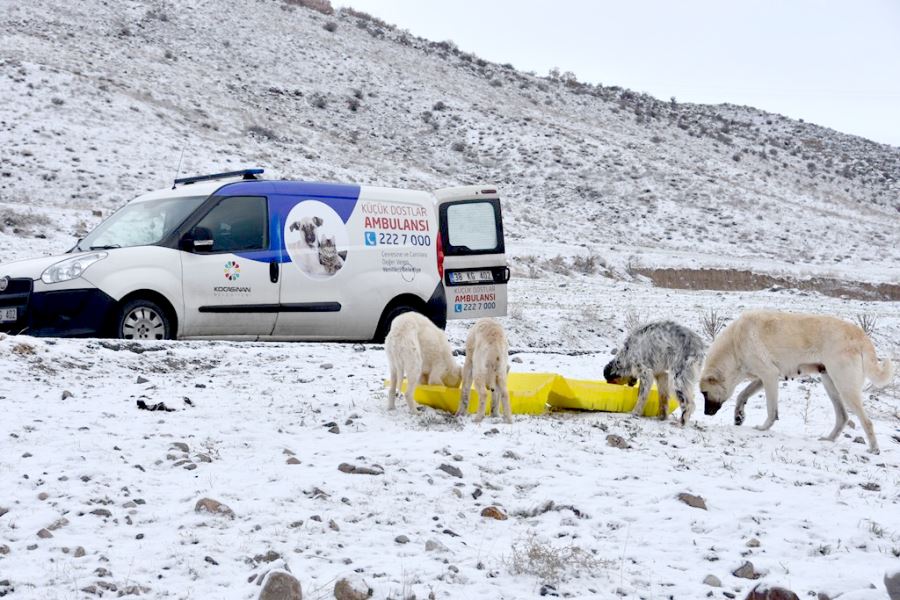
(879, 373)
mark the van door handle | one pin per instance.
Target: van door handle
(273, 271)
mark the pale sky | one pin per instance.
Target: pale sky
(831, 62)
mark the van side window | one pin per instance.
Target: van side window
(472, 225)
(237, 223)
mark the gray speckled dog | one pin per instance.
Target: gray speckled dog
(666, 351)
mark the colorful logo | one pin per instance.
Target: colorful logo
(232, 270)
(371, 238)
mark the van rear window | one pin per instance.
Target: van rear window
(473, 227)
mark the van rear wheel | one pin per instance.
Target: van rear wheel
(387, 318)
(142, 319)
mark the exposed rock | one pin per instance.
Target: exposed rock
(204, 458)
(268, 557)
(190, 467)
(435, 546)
(892, 583)
(763, 592)
(141, 379)
(356, 589)
(494, 512)
(43, 496)
(4, 549)
(79, 552)
(401, 539)
(617, 441)
(746, 571)
(293, 460)
(181, 446)
(3, 511)
(57, 524)
(67, 394)
(44, 534)
(280, 585)
(213, 506)
(450, 470)
(326, 366)
(101, 512)
(753, 543)
(692, 500)
(211, 560)
(353, 469)
(870, 486)
(712, 581)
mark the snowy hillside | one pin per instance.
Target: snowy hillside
(601, 185)
(100, 99)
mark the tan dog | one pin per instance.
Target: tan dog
(418, 349)
(765, 346)
(487, 353)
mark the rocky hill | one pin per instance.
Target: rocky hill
(99, 100)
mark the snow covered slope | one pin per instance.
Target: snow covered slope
(100, 99)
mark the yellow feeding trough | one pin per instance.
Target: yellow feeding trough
(584, 394)
(528, 394)
(532, 393)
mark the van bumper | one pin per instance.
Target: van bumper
(82, 312)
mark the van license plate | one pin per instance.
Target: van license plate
(8, 314)
(471, 276)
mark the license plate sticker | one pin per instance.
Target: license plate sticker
(8, 314)
(471, 276)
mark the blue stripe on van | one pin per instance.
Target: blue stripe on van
(284, 196)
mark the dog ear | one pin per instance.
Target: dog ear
(711, 380)
(318, 221)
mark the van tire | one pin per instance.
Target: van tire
(143, 319)
(384, 326)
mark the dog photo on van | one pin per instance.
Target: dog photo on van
(314, 235)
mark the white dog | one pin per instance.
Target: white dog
(418, 349)
(487, 353)
(764, 346)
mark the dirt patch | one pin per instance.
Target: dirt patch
(737, 280)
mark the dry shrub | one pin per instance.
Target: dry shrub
(711, 324)
(867, 323)
(551, 563)
(23, 349)
(634, 319)
(22, 222)
(321, 6)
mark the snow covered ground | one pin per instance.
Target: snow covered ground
(824, 515)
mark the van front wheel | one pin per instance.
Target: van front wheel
(142, 319)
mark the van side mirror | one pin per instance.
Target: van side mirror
(199, 239)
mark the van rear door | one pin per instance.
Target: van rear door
(474, 256)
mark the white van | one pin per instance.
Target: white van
(235, 256)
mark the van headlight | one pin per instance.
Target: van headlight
(71, 268)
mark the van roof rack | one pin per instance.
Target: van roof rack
(244, 173)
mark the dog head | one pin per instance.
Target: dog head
(327, 244)
(308, 226)
(714, 391)
(453, 377)
(613, 372)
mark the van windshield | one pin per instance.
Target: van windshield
(141, 223)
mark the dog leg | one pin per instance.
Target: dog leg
(412, 379)
(481, 388)
(771, 386)
(466, 387)
(396, 378)
(495, 406)
(662, 388)
(507, 409)
(840, 413)
(644, 393)
(686, 400)
(854, 400)
(742, 398)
